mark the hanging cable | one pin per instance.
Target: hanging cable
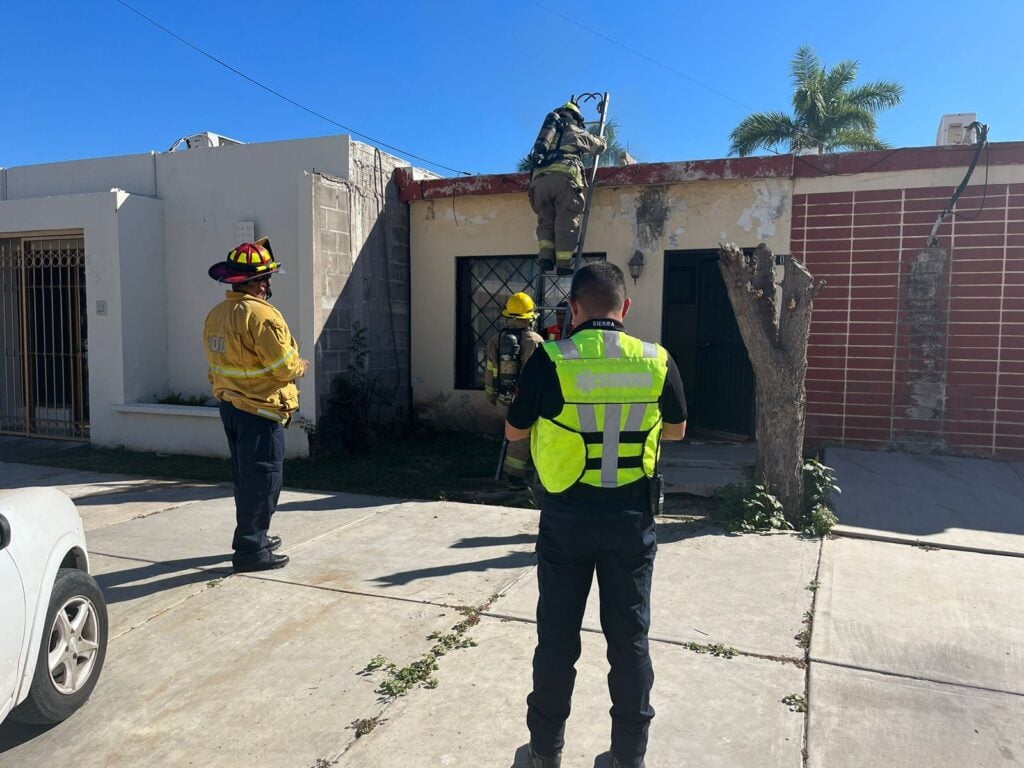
(933, 240)
(664, 66)
(281, 96)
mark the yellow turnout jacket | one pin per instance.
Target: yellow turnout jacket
(254, 360)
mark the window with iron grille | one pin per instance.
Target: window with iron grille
(484, 284)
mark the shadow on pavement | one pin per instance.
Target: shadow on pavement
(495, 541)
(671, 531)
(333, 502)
(14, 734)
(511, 560)
(132, 583)
(919, 495)
(172, 493)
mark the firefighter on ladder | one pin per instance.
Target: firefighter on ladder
(556, 185)
(506, 355)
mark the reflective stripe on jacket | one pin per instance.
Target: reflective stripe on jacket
(608, 433)
(575, 143)
(253, 358)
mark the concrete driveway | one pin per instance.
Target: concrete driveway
(916, 652)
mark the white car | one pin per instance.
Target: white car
(53, 618)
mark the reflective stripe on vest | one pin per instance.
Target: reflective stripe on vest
(608, 433)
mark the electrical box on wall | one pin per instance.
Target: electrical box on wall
(953, 129)
(245, 232)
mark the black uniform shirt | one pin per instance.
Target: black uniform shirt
(539, 394)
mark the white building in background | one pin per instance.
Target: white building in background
(104, 286)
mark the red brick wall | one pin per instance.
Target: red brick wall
(908, 350)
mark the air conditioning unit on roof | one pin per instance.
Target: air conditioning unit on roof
(204, 140)
(953, 129)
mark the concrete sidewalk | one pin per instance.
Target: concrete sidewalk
(915, 656)
(206, 668)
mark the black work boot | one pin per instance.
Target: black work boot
(617, 764)
(273, 542)
(539, 761)
(546, 264)
(274, 561)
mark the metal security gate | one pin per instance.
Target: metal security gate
(43, 342)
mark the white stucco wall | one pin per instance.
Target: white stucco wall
(95, 217)
(148, 259)
(685, 216)
(143, 303)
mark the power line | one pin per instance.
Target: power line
(661, 64)
(280, 95)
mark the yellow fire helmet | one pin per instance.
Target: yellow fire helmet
(520, 307)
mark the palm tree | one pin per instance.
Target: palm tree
(611, 156)
(829, 112)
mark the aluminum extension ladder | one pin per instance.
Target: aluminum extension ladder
(577, 259)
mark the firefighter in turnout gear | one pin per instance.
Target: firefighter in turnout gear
(254, 362)
(596, 406)
(554, 331)
(557, 184)
(506, 355)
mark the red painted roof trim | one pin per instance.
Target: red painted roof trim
(774, 166)
(905, 159)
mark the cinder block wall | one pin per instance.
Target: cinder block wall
(910, 348)
(361, 271)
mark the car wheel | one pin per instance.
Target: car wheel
(71, 653)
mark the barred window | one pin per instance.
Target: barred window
(484, 284)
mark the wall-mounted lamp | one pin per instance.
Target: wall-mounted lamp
(636, 265)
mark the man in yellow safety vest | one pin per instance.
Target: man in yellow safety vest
(596, 406)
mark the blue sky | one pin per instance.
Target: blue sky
(467, 82)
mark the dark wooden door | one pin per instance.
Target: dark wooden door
(700, 332)
(725, 379)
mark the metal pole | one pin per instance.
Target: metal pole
(578, 257)
(501, 459)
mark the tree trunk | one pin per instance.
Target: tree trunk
(774, 320)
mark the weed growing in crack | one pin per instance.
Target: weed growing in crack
(365, 725)
(813, 586)
(796, 702)
(398, 681)
(803, 637)
(714, 649)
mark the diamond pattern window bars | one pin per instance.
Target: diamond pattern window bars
(484, 285)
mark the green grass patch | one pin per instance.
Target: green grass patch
(441, 466)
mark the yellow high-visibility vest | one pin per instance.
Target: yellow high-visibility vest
(608, 433)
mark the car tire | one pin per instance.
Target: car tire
(72, 651)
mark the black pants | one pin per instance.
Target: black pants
(257, 469)
(620, 547)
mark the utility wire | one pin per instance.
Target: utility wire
(280, 95)
(641, 54)
(663, 65)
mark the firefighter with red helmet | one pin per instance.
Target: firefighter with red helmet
(254, 362)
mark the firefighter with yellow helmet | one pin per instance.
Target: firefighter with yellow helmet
(557, 184)
(254, 362)
(506, 354)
